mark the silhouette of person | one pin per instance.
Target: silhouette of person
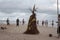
(23, 22)
(42, 23)
(46, 23)
(7, 21)
(38, 22)
(52, 23)
(17, 22)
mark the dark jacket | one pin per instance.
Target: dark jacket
(58, 30)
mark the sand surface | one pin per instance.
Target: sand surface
(14, 32)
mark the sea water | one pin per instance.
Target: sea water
(39, 16)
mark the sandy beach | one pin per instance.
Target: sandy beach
(14, 32)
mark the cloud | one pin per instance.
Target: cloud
(11, 6)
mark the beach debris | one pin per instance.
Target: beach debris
(32, 25)
(3, 28)
(50, 35)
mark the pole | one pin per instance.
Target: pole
(57, 7)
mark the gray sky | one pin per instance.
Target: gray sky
(21, 8)
(9, 6)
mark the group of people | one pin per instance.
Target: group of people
(17, 22)
(52, 23)
(46, 23)
(43, 22)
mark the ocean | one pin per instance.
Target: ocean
(40, 16)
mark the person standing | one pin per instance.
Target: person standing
(23, 22)
(52, 23)
(46, 23)
(7, 21)
(42, 23)
(58, 28)
(17, 22)
(37, 22)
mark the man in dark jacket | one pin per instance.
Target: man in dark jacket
(17, 22)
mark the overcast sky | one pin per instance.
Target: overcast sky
(21, 8)
(9, 6)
